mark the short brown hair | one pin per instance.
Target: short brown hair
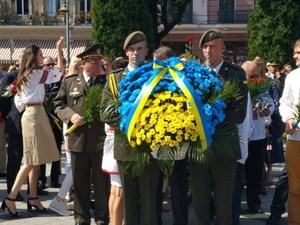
(297, 43)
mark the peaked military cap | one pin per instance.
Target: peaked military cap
(273, 62)
(133, 38)
(210, 35)
(93, 52)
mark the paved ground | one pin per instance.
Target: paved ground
(54, 219)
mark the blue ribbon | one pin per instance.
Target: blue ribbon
(162, 68)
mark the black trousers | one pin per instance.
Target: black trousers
(253, 171)
(237, 194)
(179, 198)
(179, 188)
(280, 194)
(159, 198)
(219, 179)
(86, 168)
(14, 159)
(140, 194)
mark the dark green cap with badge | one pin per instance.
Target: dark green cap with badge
(273, 62)
(210, 35)
(93, 52)
(133, 38)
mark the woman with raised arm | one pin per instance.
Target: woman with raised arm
(39, 145)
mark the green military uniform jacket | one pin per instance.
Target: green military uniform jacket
(122, 146)
(235, 111)
(68, 102)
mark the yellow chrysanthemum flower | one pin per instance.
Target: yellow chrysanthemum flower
(166, 120)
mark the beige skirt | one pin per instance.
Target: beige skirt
(39, 146)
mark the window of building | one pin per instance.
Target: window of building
(85, 5)
(173, 8)
(53, 6)
(226, 11)
(22, 7)
(236, 50)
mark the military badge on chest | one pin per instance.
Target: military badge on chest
(75, 94)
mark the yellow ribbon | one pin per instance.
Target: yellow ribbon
(184, 85)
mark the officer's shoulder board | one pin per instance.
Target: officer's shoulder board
(117, 71)
(112, 84)
(235, 67)
(71, 76)
(236, 70)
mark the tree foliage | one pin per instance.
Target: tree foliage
(273, 28)
(113, 20)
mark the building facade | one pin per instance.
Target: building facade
(230, 16)
(25, 22)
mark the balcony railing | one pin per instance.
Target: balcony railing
(8, 19)
(233, 16)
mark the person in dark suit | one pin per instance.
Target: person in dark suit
(86, 159)
(51, 91)
(13, 129)
(139, 191)
(275, 74)
(219, 178)
(178, 177)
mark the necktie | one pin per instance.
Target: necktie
(213, 72)
(90, 82)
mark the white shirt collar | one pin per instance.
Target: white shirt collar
(130, 68)
(218, 67)
(86, 77)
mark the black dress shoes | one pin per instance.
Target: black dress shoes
(263, 191)
(273, 219)
(42, 192)
(42, 186)
(2, 174)
(55, 184)
(82, 223)
(101, 223)
(256, 210)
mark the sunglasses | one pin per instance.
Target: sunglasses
(94, 62)
(49, 64)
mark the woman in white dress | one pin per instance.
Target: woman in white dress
(110, 166)
(39, 145)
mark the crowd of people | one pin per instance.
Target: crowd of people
(48, 100)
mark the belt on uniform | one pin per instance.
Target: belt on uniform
(34, 104)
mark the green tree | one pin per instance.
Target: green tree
(273, 28)
(113, 20)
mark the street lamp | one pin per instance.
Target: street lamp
(65, 10)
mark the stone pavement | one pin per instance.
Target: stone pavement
(52, 218)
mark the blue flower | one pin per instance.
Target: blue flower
(204, 84)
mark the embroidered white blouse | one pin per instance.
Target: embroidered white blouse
(35, 92)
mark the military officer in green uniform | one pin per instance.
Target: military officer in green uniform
(86, 159)
(219, 178)
(140, 191)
